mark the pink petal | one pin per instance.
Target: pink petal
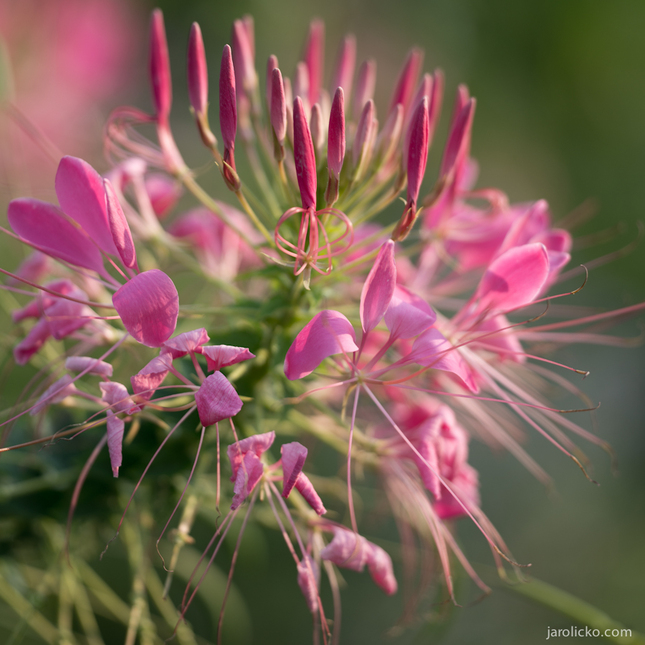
(187, 343)
(314, 58)
(304, 156)
(308, 578)
(82, 363)
(115, 428)
(347, 550)
(218, 356)
(160, 67)
(466, 485)
(148, 306)
(81, 196)
(433, 349)
(514, 279)
(293, 459)
(32, 342)
(407, 314)
(197, 71)
(378, 288)
(227, 100)
(307, 490)
(45, 227)
(65, 317)
(117, 397)
(121, 235)
(55, 393)
(248, 475)
(379, 564)
(257, 444)
(336, 135)
(148, 379)
(163, 192)
(216, 400)
(326, 334)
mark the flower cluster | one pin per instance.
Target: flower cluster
(431, 318)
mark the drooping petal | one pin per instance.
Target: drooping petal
(248, 475)
(326, 334)
(216, 400)
(117, 397)
(433, 349)
(92, 365)
(218, 356)
(81, 196)
(115, 428)
(307, 490)
(347, 550)
(149, 378)
(65, 317)
(514, 279)
(187, 343)
(121, 235)
(308, 578)
(45, 227)
(379, 565)
(378, 288)
(257, 444)
(148, 306)
(293, 459)
(408, 315)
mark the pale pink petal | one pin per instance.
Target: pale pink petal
(34, 267)
(117, 397)
(378, 288)
(514, 279)
(272, 63)
(45, 227)
(248, 475)
(407, 80)
(121, 235)
(408, 315)
(65, 317)
(218, 356)
(244, 56)
(148, 306)
(216, 400)
(347, 550)
(81, 195)
(308, 578)
(466, 485)
(433, 349)
(197, 71)
(187, 343)
(363, 140)
(314, 58)
(115, 428)
(307, 490)
(326, 334)
(499, 338)
(55, 393)
(379, 564)
(458, 144)
(364, 86)
(38, 335)
(148, 379)
(92, 365)
(163, 192)
(257, 444)
(344, 71)
(293, 459)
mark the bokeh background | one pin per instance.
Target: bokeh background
(561, 98)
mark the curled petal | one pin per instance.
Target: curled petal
(218, 356)
(117, 397)
(326, 334)
(307, 490)
(347, 550)
(148, 379)
(187, 343)
(148, 306)
(293, 459)
(407, 314)
(216, 400)
(115, 428)
(378, 288)
(257, 444)
(379, 564)
(92, 365)
(248, 475)
(32, 342)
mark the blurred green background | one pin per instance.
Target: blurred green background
(561, 95)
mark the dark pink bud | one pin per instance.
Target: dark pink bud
(458, 145)
(304, 156)
(336, 134)
(244, 55)
(314, 58)
(344, 72)
(407, 79)
(364, 86)
(227, 103)
(119, 227)
(364, 132)
(278, 106)
(272, 64)
(197, 71)
(424, 90)
(418, 149)
(160, 67)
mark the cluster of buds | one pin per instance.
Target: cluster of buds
(445, 319)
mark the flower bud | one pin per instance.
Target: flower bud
(160, 67)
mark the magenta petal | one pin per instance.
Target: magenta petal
(408, 315)
(378, 288)
(81, 195)
(293, 459)
(257, 444)
(65, 317)
(326, 334)
(379, 564)
(218, 356)
(148, 379)
(514, 279)
(115, 428)
(92, 365)
(248, 475)
(216, 400)
(187, 343)
(307, 490)
(119, 228)
(45, 227)
(433, 349)
(148, 306)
